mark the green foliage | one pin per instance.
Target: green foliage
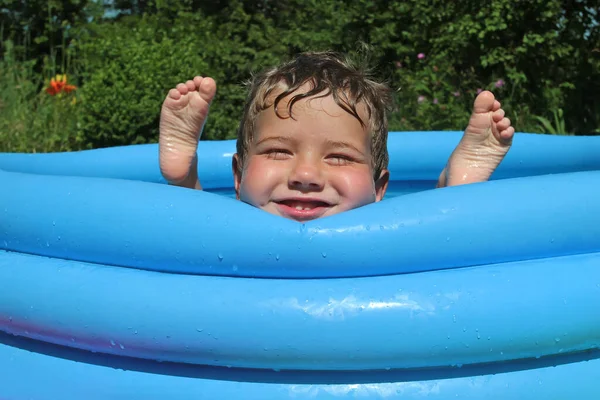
(557, 127)
(33, 121)
(127, 70)
(541, 58)
(42, 30)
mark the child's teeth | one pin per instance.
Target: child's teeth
(300, 208)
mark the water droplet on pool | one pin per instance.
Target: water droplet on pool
(121, 346)
(324, 255)
(199, 329)
(464, 329)
(447, 239)
(53, 223)
(277, 257)
(112, 343)
(387, 368)
(368, 227)
(135, 332)
(453, 317)
(478, 336)
(557, 339)
(220, 256)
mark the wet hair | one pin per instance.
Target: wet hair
(327, 73)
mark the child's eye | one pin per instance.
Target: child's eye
(278, 154)
(340, 159)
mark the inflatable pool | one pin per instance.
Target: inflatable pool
(111, 289)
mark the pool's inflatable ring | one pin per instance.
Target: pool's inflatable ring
(479, 291)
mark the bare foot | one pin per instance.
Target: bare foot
(484, 144)
(182, 118)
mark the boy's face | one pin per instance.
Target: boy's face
(312, 166)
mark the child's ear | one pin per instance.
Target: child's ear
(236, 166)
(381, 184)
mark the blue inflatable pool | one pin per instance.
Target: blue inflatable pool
(110, 290)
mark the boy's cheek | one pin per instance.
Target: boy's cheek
(358, 187)
(258, 180)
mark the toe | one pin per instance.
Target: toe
(484, 102)
(498, 115)
(207, 89)
(174, 94)
(197, 81)
(508, 134)
(496, 105)
(190, 85)
(182, 87)
(503, 124)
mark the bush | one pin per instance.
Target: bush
(32, 120)
(539, 57)
(127, 71)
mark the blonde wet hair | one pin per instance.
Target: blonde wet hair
(327, 73)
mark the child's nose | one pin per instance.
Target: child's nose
(306, 175)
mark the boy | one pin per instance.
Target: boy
(313, 138)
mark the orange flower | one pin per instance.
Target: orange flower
(59, 85)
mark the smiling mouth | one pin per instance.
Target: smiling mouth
(300, 205)
(302, 210)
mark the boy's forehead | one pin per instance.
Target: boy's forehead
(313, 118)
(317, 102)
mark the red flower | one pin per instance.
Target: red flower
(59, 85)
